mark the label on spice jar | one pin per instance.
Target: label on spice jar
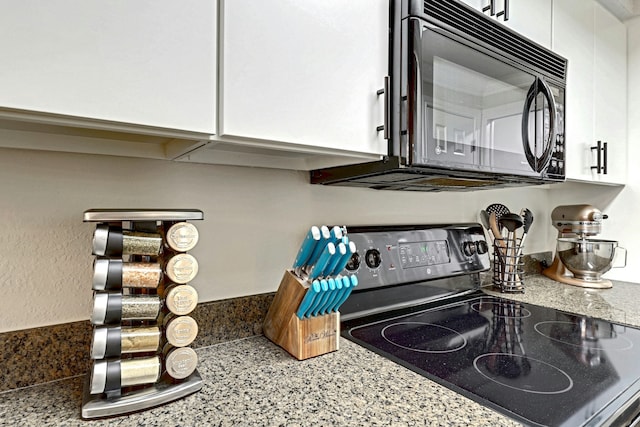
(182, 268)
(181, 362)
(181, 299)
(180, 331)
(182, 236)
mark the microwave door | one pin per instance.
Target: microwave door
(466, 107)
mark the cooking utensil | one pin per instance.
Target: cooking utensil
(341, 251)
(351, 249)
(324, 288)
(308, 299)
(334, 296)
(484, 219)
(325, 237)
(336, 234)
(322, 298)
(350, 282)
(306, 248)
(323, 260)
(326, 298)
(527, 217)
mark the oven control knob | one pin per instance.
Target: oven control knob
(482, 247)
(354, 262)
(469, 248)
(372, 258)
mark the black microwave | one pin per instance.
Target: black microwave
(470, 104)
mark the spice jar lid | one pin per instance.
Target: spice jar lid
(107, 240)
(180, 331)
(181, 299)
(107, 274)
(107, 308)
(182, 236)
(181, 362)
(106, 342)
(182, 268)
(99, 377)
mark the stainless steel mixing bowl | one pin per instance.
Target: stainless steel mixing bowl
(587, 259)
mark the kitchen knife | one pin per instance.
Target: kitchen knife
(309, 298)
(336, 234)
(353, 282)
(321, 264)
(325, 237)
(306, 248)
(346, 288)
(324, 289)
(326, 298)
(334, 296)
(351, 249)
(341, 250)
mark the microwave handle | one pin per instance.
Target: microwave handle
(539, 86)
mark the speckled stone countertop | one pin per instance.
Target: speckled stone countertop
(254, 382)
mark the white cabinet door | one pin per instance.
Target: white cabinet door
(145, 62)
(531, 18)
(304, 73)
(610, 93)
(594, 42)
(573, 38)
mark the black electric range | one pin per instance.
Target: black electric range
(420, 305)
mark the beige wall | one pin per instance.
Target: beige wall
(254, 220)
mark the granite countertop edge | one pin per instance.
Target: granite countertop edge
(252, 381)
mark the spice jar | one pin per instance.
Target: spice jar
(181, 299)
(182, 236)
(114, 241)
(110, 375)
(113, 307)
(179, 362)
(115, 274)
(116, 340)
(180, 331)
(181, 268)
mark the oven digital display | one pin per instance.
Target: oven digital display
(422, 254)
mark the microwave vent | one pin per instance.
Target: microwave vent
(472, 23)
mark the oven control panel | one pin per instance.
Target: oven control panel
(392, 255)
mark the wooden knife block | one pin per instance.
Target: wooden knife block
(302, 338)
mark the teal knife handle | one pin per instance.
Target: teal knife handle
(308, 298)
(341, 250)
(321, 264)
(334, 296)
(346, 290)
(325, 237)
(336, 235)
(307, 247)
(351, 249)
(323, 300)
(324, 287)
(332, 290)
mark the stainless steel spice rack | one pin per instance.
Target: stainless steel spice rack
(141, 273)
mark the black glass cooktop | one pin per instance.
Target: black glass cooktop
(537, 365)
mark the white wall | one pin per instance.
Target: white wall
(254, 221)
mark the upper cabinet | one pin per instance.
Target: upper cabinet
(142, 67)
(531, 18)
(595, 43)
(300, 78)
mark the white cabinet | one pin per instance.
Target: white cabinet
(594, 42)
(302, 76)
(145, 66)
(531, 18)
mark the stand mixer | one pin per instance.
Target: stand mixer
(581, 260)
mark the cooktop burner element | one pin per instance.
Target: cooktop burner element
(424, 337)
(537, 365)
